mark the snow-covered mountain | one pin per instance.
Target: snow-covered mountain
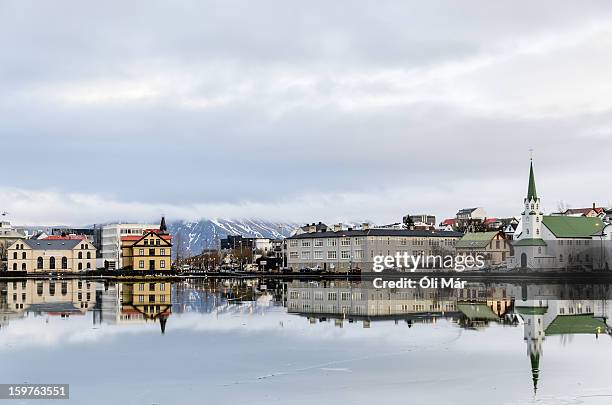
(194, 236)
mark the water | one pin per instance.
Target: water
(266, 341)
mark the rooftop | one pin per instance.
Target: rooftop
(379, 232)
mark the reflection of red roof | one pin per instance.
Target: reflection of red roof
(490, 220)
(66, 237)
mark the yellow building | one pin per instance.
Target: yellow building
(143, 302)
(150, 251)
(51, 255)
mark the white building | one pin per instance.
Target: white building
(111, 241)
(551, 241)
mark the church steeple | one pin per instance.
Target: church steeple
(163, 229)
(535, 370)
(531, 190)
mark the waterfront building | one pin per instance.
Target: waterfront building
(52, 255)
(552, 242)
(492, 245)
(340, 250)
(8, 236)
(146, 302)
(149, 251)
(111, 241)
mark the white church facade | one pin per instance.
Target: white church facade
(547, 242)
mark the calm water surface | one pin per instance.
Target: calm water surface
(261, 342)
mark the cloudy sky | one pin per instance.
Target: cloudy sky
(300, 111)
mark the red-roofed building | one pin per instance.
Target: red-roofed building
(149, 251)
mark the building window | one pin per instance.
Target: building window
(162, 252)
(318, 254)
(151, 252)
(141, 298)
(293, 255)
(52, 263)
(39, 263)
(293, 243)
(345, 242)
(345, 254)
(64, 262)
(23, 266)
(318, 243)
(89, 265)
(23, 255)
(141, 252)
(15, 255)
(305, 255)
(14, 266)
(157, 242)
(80, 255)
(89, 255)
(332, 242)
(141, 264)
(332, 254)
(162, 286)
(162, 264)
(80, 266)
(305, 243)
(146, 242)
(358, 254)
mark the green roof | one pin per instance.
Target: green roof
(480, 311)
(475, 239)
(531, 310)
(572, 227)
(584, 323)
(529, 242)
(531, 190)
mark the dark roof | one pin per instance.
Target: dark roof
(54, 244)
(466, 210)
(379, 232)
(531, 189)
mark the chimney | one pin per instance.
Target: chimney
(312, 228)
(338, 227)
(593, 205)
(365, 226)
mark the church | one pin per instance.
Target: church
(552, 242)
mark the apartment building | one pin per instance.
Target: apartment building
(111, 241)
(339, 250)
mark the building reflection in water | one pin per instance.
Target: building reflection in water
(543, 310)
(537, 307)
(62, 298)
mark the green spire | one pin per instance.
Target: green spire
(535, 370)
(531, 191)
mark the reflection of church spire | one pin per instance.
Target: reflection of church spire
(162, 324)
(535, 370)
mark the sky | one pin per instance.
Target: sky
(301, 111)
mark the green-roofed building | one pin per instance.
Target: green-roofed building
(492, 246)
(552, 242)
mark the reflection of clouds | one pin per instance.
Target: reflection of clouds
(42, 331)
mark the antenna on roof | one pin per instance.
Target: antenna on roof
(4, 213)
(531, 154)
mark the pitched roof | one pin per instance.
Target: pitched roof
(379, 232)
(478, 311)
(572, 227)
(529, 242)
(53, 244)
(476, 239)
(65, 237)
(531, 190)
(583, 323)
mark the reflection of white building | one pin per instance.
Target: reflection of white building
(111, 241)
(602, 249)
(552, 242)
(548, 317)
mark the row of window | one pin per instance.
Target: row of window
(152, 242)
(141, 264)
(359, 241)
(141, 252)
(52, 264)
(331, 255)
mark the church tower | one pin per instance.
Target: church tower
(532, 215)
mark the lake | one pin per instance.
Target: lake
(304, 342)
